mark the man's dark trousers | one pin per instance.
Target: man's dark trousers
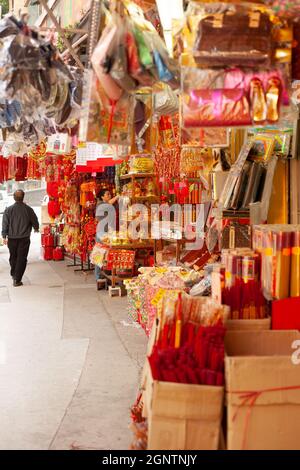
(18, 249)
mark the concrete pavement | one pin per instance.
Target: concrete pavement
(70, 360)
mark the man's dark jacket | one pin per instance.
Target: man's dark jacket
(18, 221)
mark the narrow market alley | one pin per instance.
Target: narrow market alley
(70, 360)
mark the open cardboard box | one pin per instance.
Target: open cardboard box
(262, 414)
(255, 324)
(183, 416)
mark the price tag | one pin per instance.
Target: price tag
(158, 297)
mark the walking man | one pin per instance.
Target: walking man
(18, 221)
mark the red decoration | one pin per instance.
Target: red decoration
(54, 208)
(58, 254)
(90, 228)
(52, 190)
(48, 253)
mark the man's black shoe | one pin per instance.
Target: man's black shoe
(18, 284)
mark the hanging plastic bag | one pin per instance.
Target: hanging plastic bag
(120, 60)
(99, 57)
(144, 51)
(163, 72)
(134, 66)
(106, 121)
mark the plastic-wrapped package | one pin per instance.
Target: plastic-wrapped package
(279, 248)
(103, 48)
(207, 101)
(130, 53)
(33, 75)
(235, 35)
(284, 8)
(231, 97)
(105, 121)
(205, 137)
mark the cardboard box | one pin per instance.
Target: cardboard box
(183, 417)
(260, 324)
(256, 363)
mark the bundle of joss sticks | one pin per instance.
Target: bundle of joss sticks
(189, 346)
(241, 284)
(279, 246)
(245, 300)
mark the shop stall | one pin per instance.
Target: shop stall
(198, 137)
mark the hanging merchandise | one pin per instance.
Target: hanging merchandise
(104, 120)
(3, 169)
(38, 85)
(166, 102)
(217, 137)
(88, 194)
(231, 97)
(143, 120)
(59, 143)
(52, 190)
(72, 239)
(284, 8)
(233, 34)
(54, 208)
(131, 53)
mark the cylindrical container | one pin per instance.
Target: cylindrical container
(58, 254)
(49, 240)
(295, 265)
(48, 253)
(282, 265)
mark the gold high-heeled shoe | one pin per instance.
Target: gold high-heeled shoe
(273, 99)
(258, 101)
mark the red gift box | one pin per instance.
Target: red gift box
(286, 314)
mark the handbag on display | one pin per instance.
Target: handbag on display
(236, 35)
